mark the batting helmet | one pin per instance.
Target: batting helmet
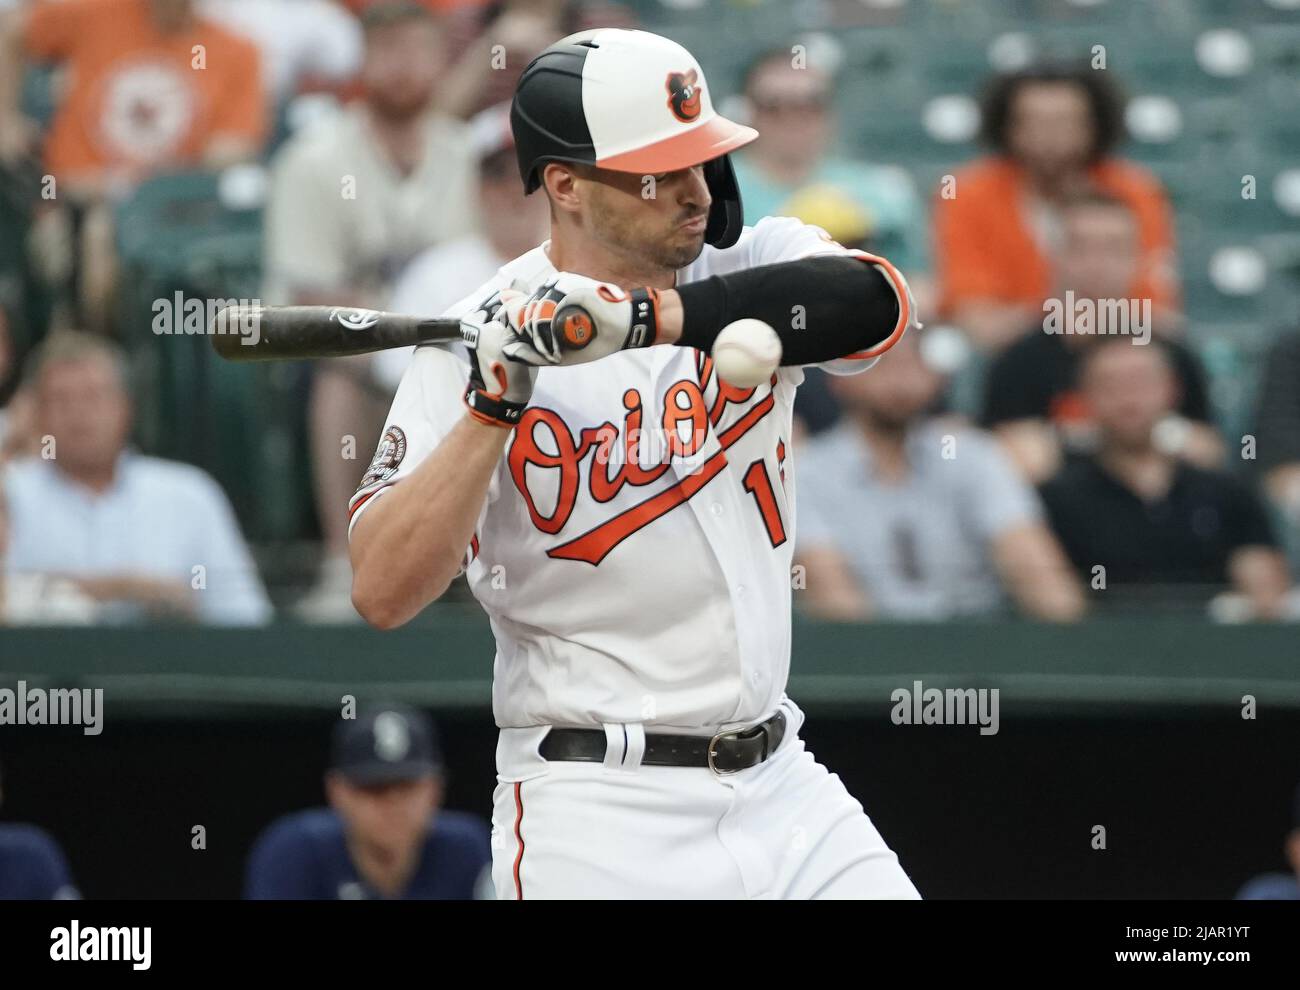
(630, 101)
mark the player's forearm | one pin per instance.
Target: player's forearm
(408, 545)
(821, 308)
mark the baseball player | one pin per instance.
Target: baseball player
(623, 515)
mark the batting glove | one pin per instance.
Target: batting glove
(500, 382)
(596, 319)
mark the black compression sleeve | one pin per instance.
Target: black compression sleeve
(822, 308)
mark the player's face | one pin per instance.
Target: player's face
(1129, 388)
(401, 68)
(390, 817)
(83, 406)
(1099, 256)
(1050, 127)
(657, 220)
(894, 394)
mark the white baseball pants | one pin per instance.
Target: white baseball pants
(785, 829)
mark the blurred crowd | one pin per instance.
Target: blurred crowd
(1049, 445)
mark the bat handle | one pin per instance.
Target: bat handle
(573, 328)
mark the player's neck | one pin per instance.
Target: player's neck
(581, 256)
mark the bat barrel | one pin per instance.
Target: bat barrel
(236, 331)
(294, 333)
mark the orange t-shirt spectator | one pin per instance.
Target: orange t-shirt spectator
(997, 231)
(151, 86)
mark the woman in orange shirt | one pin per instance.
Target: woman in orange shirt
(1053, 132)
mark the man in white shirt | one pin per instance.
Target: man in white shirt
(353, 198)
(512, 224)
(142, 536)
(623, 515)
(301, 40)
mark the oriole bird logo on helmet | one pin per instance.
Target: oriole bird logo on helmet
(684, 95)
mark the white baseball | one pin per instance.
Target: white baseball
(746, 353)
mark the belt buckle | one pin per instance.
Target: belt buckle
(713, 751)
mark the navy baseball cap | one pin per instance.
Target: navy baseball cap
(386, 745)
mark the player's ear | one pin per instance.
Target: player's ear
(563, 184)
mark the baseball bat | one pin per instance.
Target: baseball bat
(291, 333)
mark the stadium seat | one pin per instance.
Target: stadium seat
(40, 93)
(177, 235)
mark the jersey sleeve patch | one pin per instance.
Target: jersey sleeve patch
(388, 458)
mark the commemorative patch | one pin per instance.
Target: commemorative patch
(388, 457)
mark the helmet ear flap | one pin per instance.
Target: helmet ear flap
(726, 215)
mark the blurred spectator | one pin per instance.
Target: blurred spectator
(151, 87)
(304, 43)
(497, 40)
(353, 199)
(385, 834)
(137, 102)
(137, 534)
(32, 866)
(1280, 886)
(1030, 396)
(38, 599)
(512, 224)
(1053, 133)
(1278, 434)
(1164, 530)
(902, 515)
(17, 431)
(438, 6)
(791, 170)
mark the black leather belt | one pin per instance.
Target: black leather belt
(727, 752)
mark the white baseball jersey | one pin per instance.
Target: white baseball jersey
(634, 550)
